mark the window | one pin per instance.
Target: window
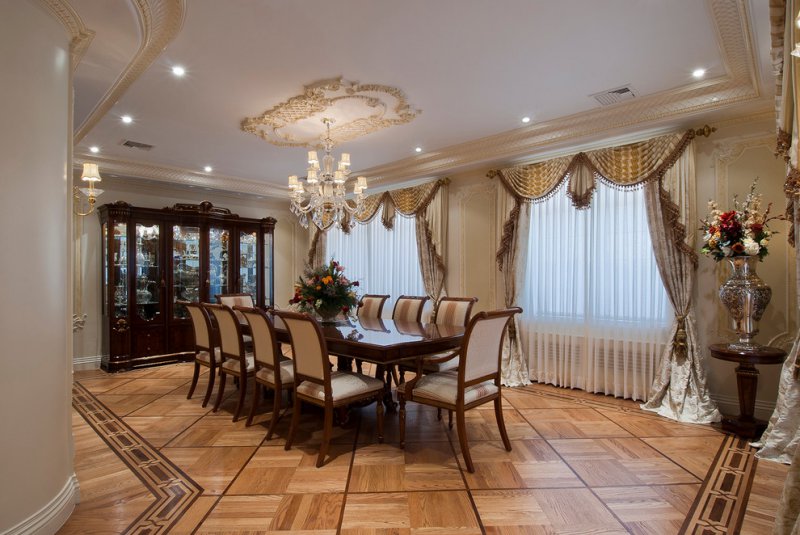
(596, 315)
(383, 261)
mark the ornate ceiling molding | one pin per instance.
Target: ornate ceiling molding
(160, 21)
(181, 177)
(358, 109)
(81, 36)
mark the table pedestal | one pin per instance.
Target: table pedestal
(746, 425)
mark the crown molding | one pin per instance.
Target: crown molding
(159, 21)
(80, 35)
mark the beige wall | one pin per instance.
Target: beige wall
(37, 484)
(291, 246)
(726, 164)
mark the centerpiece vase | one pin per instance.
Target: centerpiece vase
(745, 296)
(328, 313)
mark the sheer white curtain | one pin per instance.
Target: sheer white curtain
(596, 315)
(383, 261)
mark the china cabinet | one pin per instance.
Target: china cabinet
(152, 258)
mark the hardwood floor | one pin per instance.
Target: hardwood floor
(150, 461)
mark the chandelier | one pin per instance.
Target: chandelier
(91, 175)
(322, 198)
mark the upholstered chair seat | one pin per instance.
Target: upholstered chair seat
(235, 366)
(287, 373)
(205, 356)
(343, 385)
(443, 387)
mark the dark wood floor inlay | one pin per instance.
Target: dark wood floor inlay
(720, 504)
(173, 490)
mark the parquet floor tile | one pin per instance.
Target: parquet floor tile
(125, 404)
(158, 430)
(572, 423)
(620, 461)
(652, 509)
(580, 463)
(212, 468)
(530, 464)
(218, 430)
(544, 511)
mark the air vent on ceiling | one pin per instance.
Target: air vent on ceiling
(136, 145)
(612, 96)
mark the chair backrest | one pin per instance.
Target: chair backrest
(265, 345)
(454, 310)
(309, 351)
(236, 300)
(230, 331)
(201, 325)
(371, 306)
(409, 308)
(482, 349)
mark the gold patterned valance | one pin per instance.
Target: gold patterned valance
(406, 201)
(625, 166)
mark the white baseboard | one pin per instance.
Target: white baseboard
(91, 362)
(729, 405)
(51, 517)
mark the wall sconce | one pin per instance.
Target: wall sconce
(91, 175)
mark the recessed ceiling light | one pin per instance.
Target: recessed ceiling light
(699, 73)
(208, 169)
(94, 150)
(526, 119)
(127, 119)
(418, 149)
(178, 71)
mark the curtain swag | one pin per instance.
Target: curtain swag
(626, 166)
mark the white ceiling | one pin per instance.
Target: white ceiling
(473, 68)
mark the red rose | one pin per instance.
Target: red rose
(737, 248)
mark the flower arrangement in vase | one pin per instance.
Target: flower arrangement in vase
(325, 291)
(741, 236)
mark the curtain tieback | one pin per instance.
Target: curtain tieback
(679, 342)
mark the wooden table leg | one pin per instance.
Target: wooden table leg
(746, 425)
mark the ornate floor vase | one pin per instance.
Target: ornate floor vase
(746, 297)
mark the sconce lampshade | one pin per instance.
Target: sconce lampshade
(90, 173)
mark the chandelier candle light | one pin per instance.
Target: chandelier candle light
(323, 196)
(91, 175)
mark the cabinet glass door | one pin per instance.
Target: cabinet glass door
(218, 255)
(248, 277)
(185, 268)
(118, 275)
(148, 274)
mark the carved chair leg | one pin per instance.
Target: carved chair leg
(256, 401)
(326, 436)
(242, 393)
(195, 377)
(462, 439)
(450, 419)
(276, 411)
(501, 424)
(223, 378)
(402, 401)
(439, 413)
(212, 375)
(379, 402)
(295, 422)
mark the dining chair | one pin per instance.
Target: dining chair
(266, 359)
(236, 300)
(409, 308)
(235, 361)
(206, 351)
(476, 380)
(371, 306)
(317, 384)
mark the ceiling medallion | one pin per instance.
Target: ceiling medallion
(358, 109)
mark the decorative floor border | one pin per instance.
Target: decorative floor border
(173, 490)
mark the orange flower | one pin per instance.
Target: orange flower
(327, 279)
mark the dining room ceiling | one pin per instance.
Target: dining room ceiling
(452, 78)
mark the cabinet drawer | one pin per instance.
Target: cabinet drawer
(148, 342)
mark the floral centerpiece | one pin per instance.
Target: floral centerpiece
(741, 236)
(325, 291)
(742, 231)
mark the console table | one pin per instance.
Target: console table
(746, 425)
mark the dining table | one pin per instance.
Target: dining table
(383, 342)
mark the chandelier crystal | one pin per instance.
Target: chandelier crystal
(321, 197)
